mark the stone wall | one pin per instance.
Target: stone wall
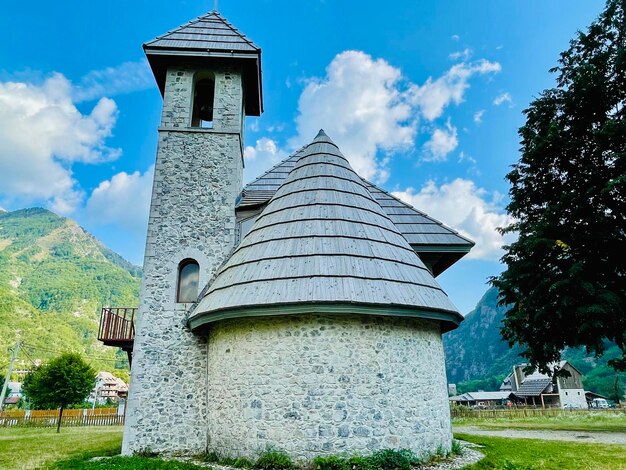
(313, 385)
(198, 175)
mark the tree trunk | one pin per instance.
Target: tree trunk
(60, 416)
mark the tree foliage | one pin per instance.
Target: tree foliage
(64, 381)
(566, 275)
(54, 277)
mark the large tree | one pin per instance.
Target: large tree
(565, 277)
(64, 381)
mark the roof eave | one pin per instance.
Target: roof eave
(441, 257)
(160, 57)
(449, 320)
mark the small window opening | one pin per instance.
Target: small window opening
(203, 97)
(188, 277)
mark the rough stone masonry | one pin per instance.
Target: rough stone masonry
(198, 175)
(313, 385)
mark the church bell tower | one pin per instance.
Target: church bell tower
(209, 75)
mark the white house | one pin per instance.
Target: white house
(108, 388)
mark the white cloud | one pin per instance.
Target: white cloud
(253, 124)
(368, 108)
(441, 143)
(360, 103)
(467, 208)
(463, 157)
(465, 54)
(125, 78)
(263, 155)
(435, 95)
(264, 148)
(41, 134)
(502, 98)
(124, 200)
(478, 116)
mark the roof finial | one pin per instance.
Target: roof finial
(321, 134)
(214, 5)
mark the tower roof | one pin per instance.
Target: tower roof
(211, 33)
(323, 244)
(210, 39)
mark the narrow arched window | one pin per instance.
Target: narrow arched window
(188, 276)
(203, 97)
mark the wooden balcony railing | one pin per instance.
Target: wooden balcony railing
(117, 327)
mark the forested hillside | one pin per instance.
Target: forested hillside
(475, 349)
(478, 359)
(54, 277)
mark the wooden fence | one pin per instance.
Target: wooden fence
(72, 418)
(515, 413)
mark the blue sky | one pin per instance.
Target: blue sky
(425, 99)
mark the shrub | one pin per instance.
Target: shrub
(209, 457)
(392, 459)
(274, 460)
(441, 452)
(331, 462)
(242, 462)
(214, 457)
(457, 448)
(358, 462)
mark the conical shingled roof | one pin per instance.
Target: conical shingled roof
(323, 244)
(435, 243)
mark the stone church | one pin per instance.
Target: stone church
(299, 312)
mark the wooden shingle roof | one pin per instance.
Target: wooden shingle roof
(210, 32)
(208, 40)
(437, 244)
(323, 244)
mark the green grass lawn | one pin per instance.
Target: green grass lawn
(30, 448)
(124, 463)
(603, 421)
(531, 454)
(36, 448)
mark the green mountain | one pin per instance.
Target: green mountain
(478, 359)
(475, 350)
(54, 277)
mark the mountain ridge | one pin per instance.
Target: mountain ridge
(54, 277)
(478, 358)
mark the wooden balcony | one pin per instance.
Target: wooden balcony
(117, 328)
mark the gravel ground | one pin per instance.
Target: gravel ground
(547, 435)
(469, 456)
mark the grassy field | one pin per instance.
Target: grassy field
(605, 422)
(530, 454)
(72, 449)
(30, 448)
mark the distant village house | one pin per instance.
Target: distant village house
(532, 389)
(108, 388)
